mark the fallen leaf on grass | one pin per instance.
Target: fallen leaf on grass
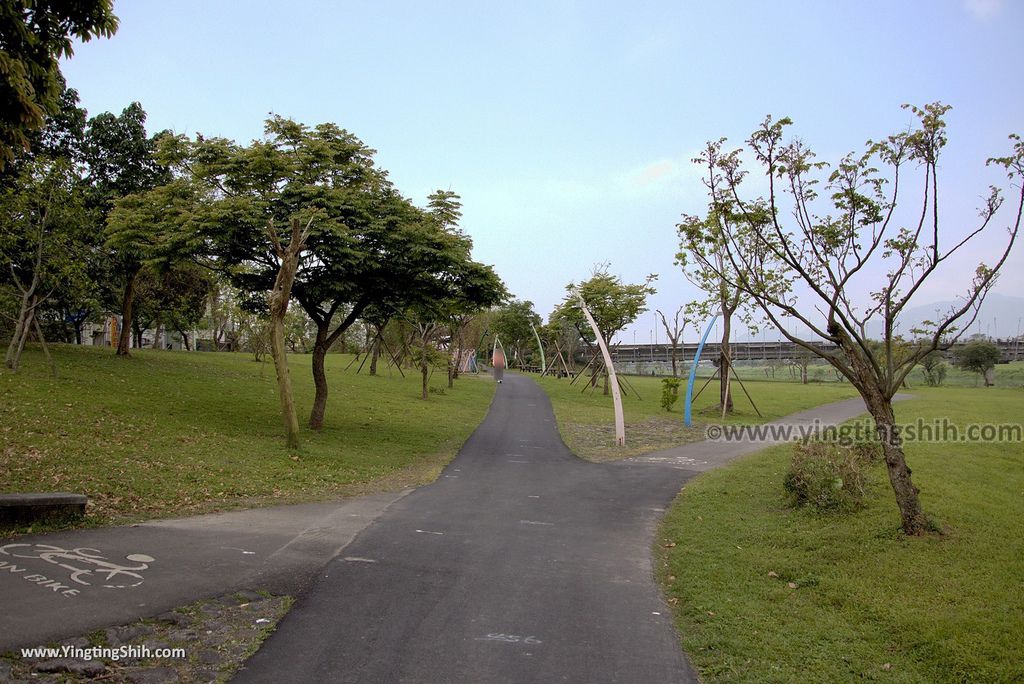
(772, 573)
(791, 585)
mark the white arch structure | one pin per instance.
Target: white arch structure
(620, 424)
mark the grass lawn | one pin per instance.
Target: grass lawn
(173, 433)
(868, 603)
(586, 420)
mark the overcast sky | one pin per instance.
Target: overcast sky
(568, 127)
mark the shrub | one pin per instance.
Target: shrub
(669, 392)
(827, 476)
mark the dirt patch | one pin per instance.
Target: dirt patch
(206, 641)
(597, 442)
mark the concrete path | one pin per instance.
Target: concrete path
(65, 584)
(521, 564)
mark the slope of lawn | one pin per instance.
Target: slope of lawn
(169, 433)
(586, 420)
(850, 598)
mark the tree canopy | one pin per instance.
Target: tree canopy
(34, 36)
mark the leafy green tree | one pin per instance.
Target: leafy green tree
(612, 303)
(34, 36)
(174, 298)
(513, 323)
(456, 285)
(122, 166)
(826, 248)
(981, 357)
(934, 369)
(40, 246)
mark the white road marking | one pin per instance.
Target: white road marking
(428, 532)
(354, 559)
(532, 496)
(233, 548)
(534, 522)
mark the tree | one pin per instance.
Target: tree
(846, 242)
(122, 168)
(514, 323)
(613, 304)
(934, 368)
(704, 258)
(36, 34)
(674, 334)
(979, 356)
(42, 213)
(457, 285)
(174, 298)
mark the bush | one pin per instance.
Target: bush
(669, 392)
(827, 476)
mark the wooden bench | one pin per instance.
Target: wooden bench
(24, 509)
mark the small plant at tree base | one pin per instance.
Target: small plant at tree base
(827, 476)
(669, 392)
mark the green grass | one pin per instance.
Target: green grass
(586, 420)
(869, 603)
(172, 433)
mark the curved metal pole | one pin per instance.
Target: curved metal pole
(620, 423)
(543, 362)
(693, 371)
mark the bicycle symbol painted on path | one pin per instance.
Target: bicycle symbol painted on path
(87, 566)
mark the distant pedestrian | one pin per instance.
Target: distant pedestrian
(498, 363)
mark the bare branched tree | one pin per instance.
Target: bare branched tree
(833, 245)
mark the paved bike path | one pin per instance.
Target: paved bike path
(64, 584)
(522, 563)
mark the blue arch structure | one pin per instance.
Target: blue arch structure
(693, 372)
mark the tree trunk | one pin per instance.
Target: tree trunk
(988, 378)
(127, 303)
(725, 364)
(675, 359)
(46, 348)
(22, 329)
(424, 373)
(278, 301)
(879, 405)
(156, 337)
(316, 416)
(914, 520)
(78, 332)
(375, 354)
(13, 354)
(184, 340)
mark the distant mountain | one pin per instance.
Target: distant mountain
(1001, 316)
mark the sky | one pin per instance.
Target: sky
(568, 128)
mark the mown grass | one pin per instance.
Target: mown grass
(173, 433)
(586, 420)
(869, 604)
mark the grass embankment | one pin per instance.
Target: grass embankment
(173, 433)
(586, 421)
(868, 603)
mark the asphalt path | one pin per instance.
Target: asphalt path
(65, 584)
(521, 563)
